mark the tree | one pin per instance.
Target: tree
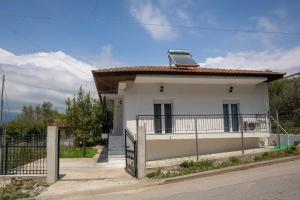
(96, 119)
(33, 119)
(79, 116)
(285, 97)
(106, 116)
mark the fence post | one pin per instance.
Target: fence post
(242, 134)
(125, 140)
(278, 132)
(2, 158)
(52, 154)
(196, 132)
(141, 152)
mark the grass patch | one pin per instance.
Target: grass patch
(189, 167)
(277, 154)
(78, 153)
(20, 189)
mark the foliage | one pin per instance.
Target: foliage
(85, 119)
(33, 119)
(234, 159)
(79, 116)
(277, 154)
(285, 97)
(78, 153)
(189, 167)
(20, 189)
(154, 174)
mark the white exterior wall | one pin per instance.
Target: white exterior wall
(117, 117)
(191, 99)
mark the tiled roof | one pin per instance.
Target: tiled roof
(103, 76)
(167, 69)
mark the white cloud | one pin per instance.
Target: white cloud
(146, 13)
(106, 57)
(278, 60)
(48, 60)
(267, 24)
(183, 17)
(279, 12)
(263, 23)
(54, 76)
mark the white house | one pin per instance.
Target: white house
(179, 102)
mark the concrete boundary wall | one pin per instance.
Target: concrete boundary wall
(165, 149)
(285, 139)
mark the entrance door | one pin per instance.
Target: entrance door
(231, 117)
(163, 118)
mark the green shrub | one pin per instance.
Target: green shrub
(265, 155)
(187, 164)
(154, 174)
(200, 165)
(234, 160)
(291, 150)
(205, 164)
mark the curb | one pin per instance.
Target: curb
(229, 169)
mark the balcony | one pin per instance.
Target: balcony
(204, 126)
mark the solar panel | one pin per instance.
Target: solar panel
(181, 58)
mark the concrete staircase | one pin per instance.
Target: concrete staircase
(116, 151)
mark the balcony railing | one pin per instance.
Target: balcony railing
(190, 124)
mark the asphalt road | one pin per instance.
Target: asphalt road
(278, 181)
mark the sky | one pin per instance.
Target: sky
(48, 48)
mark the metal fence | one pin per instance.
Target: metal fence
(23, 154)
(188, 124)
(130, 153)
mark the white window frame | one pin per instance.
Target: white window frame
(162, 102)
(230, 102)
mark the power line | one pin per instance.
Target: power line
(153, 24)
(51, 54)
(45, 88)
(43, 49)
(52, 88)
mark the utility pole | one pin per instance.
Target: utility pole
(2, 91)
(278, 130)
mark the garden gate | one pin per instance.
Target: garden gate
(130, 153)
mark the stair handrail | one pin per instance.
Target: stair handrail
(129, 134)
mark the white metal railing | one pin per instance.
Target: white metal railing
(189, 124)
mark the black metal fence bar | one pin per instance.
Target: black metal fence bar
(187, 124)
(24, 155)
(130, 154)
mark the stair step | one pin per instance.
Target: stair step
(121, 156)
(116, 156)
(116, 151)
(117, 147)
(117, 144)
(116, 160)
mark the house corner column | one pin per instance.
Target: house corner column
(141, 152)
(52, 154)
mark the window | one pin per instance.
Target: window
(231, 117)
(163, 117)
